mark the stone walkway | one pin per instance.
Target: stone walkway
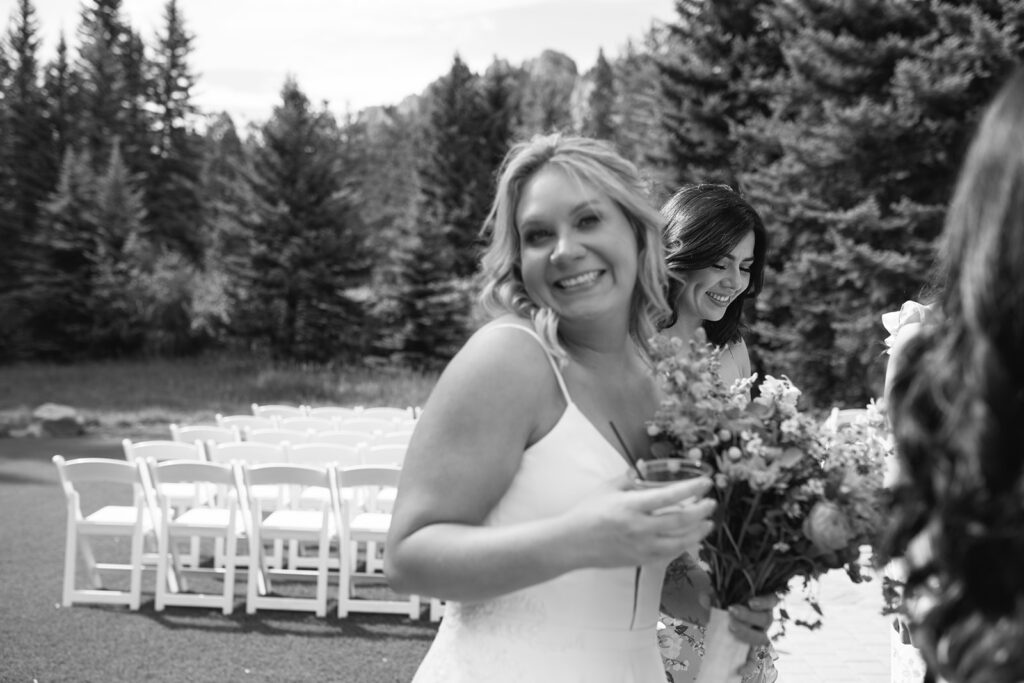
(852, 645)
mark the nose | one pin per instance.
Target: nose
(566, 248)
(733, 276)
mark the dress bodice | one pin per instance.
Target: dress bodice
(594, 625)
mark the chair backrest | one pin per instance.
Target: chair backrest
(278, 436)
(241, 421)
(393, 438)
(388, 412)
(345, 438)
(287, 475)
(370, 479)
(333, 412)
(385, 454)
(204, 433)
(277, 410)
(111, 470)
(366, 425)
(162, 450)
(321, 454)
(199, 472)
(844, 416)
(314, 424)
(250, 452)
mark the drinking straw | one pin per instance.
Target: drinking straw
(629, 455)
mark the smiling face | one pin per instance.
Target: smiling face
(578, 249)
(707, 292)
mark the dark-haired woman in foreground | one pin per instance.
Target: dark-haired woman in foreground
(957, 407)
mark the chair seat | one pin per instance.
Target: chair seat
(115, 516)
(214, 519)
(292, 520)
(375, 523)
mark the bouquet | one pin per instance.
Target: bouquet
(796, 497)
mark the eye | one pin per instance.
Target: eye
(535, 236)
(588, 220)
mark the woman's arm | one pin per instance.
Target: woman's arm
(497, 396)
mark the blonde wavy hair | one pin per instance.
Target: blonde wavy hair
(596, 164)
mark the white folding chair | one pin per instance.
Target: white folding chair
(333, 412)
(253, 453)
(277, 410)
(388, 412)
(308, 424)
(205, 433)
(318, 524)
(242, 421)
(345, 438)
(396, 438)
(221, 521)
(370, 426)
(182, 495)
(367, 525)
(279, 435)
(317, 454)
(132, 521)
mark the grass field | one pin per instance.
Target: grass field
(44, 642)
(115, 396)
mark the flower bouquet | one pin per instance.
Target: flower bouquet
(796, 497)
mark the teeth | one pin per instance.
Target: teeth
(578, 280)
(719, 299)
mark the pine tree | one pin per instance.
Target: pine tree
(501, 101)
(172, 184)
(455, 178)
(29, 169)
(722, 53)
(867, 129)
(60, 87)
(307, 251)
(598, 121)
(640, 135)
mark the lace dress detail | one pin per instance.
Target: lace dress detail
(589, 625)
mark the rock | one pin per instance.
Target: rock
(55, 420)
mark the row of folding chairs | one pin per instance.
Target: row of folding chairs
(358, 423)
(275, 446)
(392, 434)
(333, 412)
(332, 509)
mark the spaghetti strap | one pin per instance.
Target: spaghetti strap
(551, 360)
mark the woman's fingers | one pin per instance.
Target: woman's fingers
(660, 497)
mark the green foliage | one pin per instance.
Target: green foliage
(866, 132)
(306, 245)
(601, 101)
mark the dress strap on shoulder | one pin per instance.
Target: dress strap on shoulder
(554, 363)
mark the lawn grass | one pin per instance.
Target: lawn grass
(42, 641)
(115, 396)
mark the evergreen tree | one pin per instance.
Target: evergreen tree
(172, 184)
(104, 100)
(867, 129)
(307, 251)
(597, 122)
(440, 252)
(501, 101)
(722, 53)
(640, 135)
(455, 178)
(61, 279)
(60, 87)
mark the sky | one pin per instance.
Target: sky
(359, 53)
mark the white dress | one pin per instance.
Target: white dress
(589, 625)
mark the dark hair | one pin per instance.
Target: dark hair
(705, 223)
(957, 408)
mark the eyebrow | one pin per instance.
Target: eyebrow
(733, 258)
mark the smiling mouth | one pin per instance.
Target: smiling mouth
(580, 280)
(719, 299)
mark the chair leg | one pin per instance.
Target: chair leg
(95, 580)
(135, 590)
(70, 557)
(229, 571)
(161, 571)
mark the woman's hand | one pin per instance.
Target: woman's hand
(750, 622)
(631, 526)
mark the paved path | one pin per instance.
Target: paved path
(852, 646)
